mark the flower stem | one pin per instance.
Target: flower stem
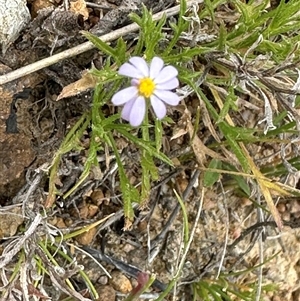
(146, 160)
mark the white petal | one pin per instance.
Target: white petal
(166, 74)
(135, 82)
(124, 95)
(169, 85)
(137, 112)
(158, 106)
(156, 66)
(140, 64)
(127, 109)
(130, 71)
(168, 97)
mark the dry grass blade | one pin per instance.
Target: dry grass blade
(262, 182)
(200, 150)
(264, 188)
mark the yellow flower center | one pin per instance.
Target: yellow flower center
(146, 87)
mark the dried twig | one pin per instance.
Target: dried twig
(160, 237)
(128, 269)
(12, 250)
(6, 78)
(225, 204)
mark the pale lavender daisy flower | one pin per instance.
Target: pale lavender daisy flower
(153, 82)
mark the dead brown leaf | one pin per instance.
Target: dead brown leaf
(39, 5)
(200, 150)
(88, 81)
(79, 7)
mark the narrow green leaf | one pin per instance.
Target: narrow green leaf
(129, 193)
(144, 145)
(230, 102)
(185, 219)
(149, 173)
(104, 47)
(210, 8)
(230, 136)
(242, 183)
(120, 51)
(178, 29)
(222, 37)
(211, 291)
(210, 177)
(158, 134)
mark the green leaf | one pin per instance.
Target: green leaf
(148, 170)
(158, 134)
(177, 29)
(118, 53)
(143, 145)
(211, 291)
(230, 102)
(129, 193)
(230, 136)
(242, 183)
(210, 8)
(150, 32)
(222, 37)
(211, 177)
(185, 55)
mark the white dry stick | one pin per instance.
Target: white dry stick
(226, 230)
(33, 186)
(254, 46)
(65, 288)
(296, 87)
(92, 258)
(268, 114)
(6, 78)
(188, 245)
(261, 255)
(268, 110)
(260, 269)
(23, 280)
(6, 257)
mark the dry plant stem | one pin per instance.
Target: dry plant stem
(188, 245)
(23, 280)
(260, 216)
(57, 279)
(119, 214)
(126, 268)
(7, 256)
(93, 258)
(32, 188)
(6, 78)
(225, 204)
(99, 6)
(192, 234)
(173, 215)
(256, 227)
(260, 268)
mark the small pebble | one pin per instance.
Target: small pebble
(106, 293)
(86, 237)
(120, 282)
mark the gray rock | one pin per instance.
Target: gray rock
(14, 16)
